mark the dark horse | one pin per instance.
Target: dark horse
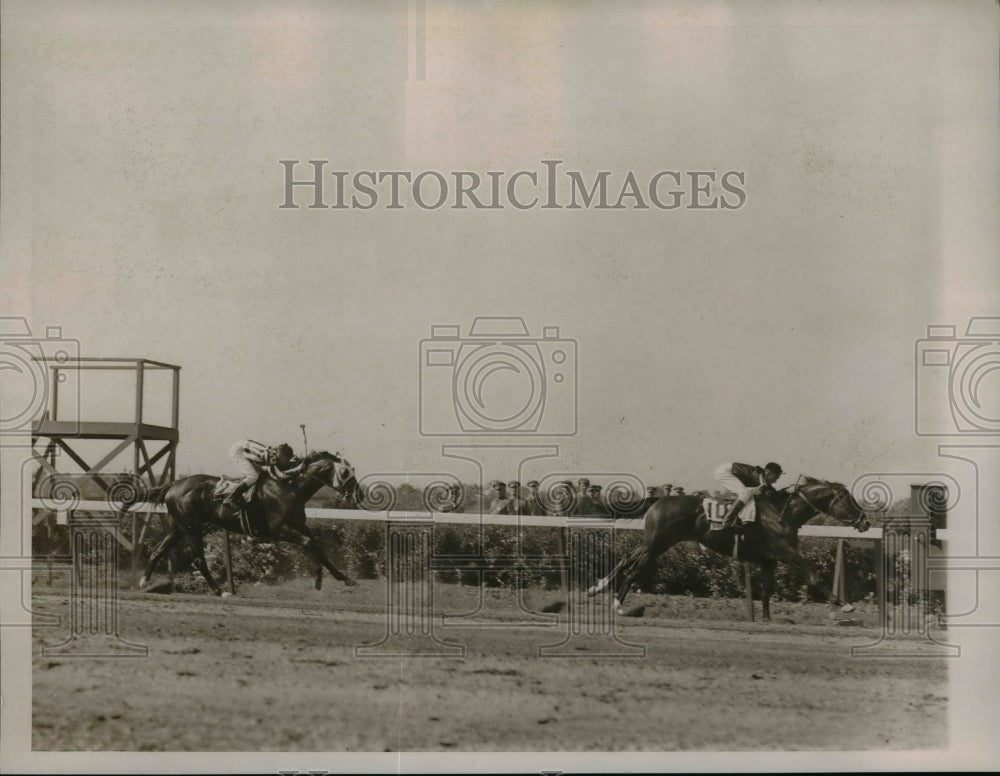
(193, 509)
(773, 537)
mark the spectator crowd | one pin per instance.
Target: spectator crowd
(562, 498)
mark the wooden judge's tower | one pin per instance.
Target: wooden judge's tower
(150, 449)
(96, 434)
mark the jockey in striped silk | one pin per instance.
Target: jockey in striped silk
(253, 458)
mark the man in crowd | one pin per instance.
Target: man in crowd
(532, 503)
(595, 504)
(516, 502)
(562, 499)
(501, 501)
(454, 500)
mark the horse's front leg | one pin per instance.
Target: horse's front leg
(309, 543)
(796, 561)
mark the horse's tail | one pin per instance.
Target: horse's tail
(140, 495)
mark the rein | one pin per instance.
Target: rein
(322, 481)
(797, 490)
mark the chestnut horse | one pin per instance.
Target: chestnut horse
(772, 538)
(279, 507)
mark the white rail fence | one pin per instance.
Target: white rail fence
(408, 550)
(472, 518)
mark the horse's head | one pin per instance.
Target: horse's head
(345, 481)
(336, 471)
(833, 499)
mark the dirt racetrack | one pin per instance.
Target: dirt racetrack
(276, 670)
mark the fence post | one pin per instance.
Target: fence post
(838, 574)
(227, 556)
(749, 589)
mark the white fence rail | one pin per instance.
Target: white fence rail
(465, 518)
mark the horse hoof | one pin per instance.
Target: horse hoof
(225, 594)
(143, 582)
(350, 582)
(591, 592)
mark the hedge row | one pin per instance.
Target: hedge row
(358, 548)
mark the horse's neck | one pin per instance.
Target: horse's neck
(800, 510)
(791, 512)
(307, 486)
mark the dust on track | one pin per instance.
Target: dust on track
(281, 674)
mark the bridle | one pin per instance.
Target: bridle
(336, 459)
(838, 494)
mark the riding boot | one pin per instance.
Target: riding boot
(732, 517)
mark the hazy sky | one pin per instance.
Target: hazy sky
(142, 211)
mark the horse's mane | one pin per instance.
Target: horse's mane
(782, 495)
(317, 455)
(805, 479)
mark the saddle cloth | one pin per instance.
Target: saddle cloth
(715, 510)
(252, 519)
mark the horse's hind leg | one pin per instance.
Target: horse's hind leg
(165, 545)
(605, 582)
(198, 548)
(767, 568)
(635, 565)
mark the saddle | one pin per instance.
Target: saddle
(716, 508)
(227, 485)
(224, 487)
(253, 518)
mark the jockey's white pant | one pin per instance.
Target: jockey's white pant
(244, 465)
(725, 477)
